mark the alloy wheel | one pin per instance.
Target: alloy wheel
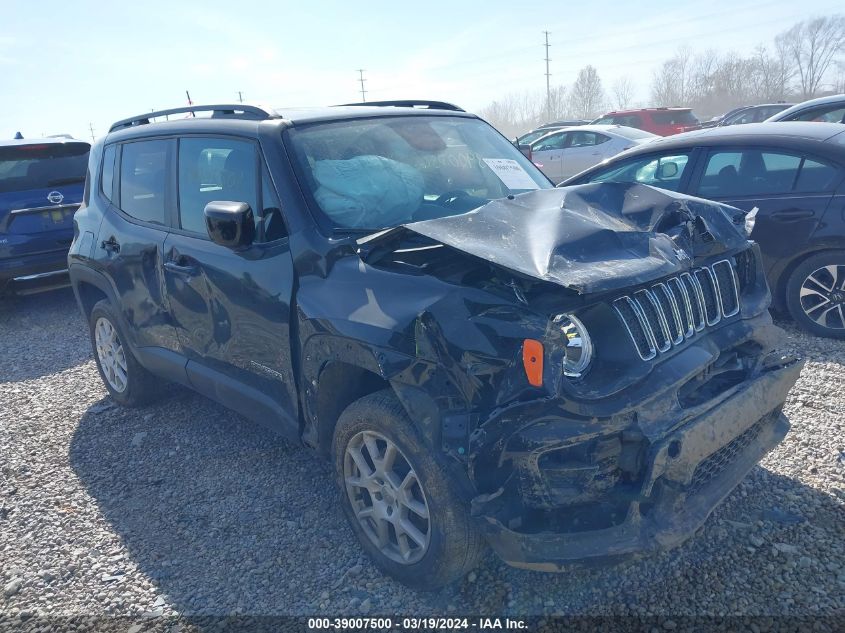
(110, 354)
(822, 296)
(387, 497)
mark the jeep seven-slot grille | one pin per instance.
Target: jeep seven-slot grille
(667, 313)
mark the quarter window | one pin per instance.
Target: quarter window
(816, 177)
(214, 169)
(107, 181)
(143, 178)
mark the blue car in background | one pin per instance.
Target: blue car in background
(41, 187)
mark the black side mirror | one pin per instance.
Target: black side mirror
(230, 224)
(526, 150)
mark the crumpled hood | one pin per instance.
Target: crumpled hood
(592, 238)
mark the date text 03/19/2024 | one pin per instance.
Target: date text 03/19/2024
(412, 623)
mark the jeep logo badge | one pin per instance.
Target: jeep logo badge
(55, 197)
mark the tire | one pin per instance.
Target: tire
(452, 545)
(815, 294)
(127, 382)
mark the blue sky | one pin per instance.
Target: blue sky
(64, 65)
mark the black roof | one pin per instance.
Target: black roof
(825, 139)
(221, 117)
(752, 133)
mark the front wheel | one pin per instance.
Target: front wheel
(401, 505)
(815, 294)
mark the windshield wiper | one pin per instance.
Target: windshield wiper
(339, 230)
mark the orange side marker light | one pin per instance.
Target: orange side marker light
(532, 360)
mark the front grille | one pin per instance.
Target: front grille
(673, 310)
(727, 285)
(715, 464)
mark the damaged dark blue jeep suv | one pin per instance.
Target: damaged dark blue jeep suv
(568, 375)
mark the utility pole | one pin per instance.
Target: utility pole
(362, 80)
(548, 75)
(240, 96)
(91, 127)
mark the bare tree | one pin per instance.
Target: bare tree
(814, 44)
(517, 112)
(670, 84)
(773, 73)
(558, 105)
(587, 95)
(839, 79)
(623, 93)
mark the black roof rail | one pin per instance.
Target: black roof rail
(219, 111)
(409, 103)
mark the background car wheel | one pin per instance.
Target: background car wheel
(401, 505)
(815, 294)
(127, 382)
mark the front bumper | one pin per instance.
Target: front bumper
(687, 473)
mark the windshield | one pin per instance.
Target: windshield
(39, 166)
(370, 174)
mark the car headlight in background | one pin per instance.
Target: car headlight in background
(579, 347)
(750, 219)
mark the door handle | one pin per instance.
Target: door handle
(110, 245)
(792, 214)
(173, 267)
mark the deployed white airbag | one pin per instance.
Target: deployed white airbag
(368, 191)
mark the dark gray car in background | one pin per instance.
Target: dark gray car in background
(793, 173)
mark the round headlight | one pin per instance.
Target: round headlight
(579, 347)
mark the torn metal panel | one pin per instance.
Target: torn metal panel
(590, 238)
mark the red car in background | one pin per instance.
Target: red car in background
(661, 121)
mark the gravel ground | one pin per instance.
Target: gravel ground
(184, 507)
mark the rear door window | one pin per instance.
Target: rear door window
(754, 172)
(586, 139)
(143, 180)
(831, 113)
(42, 165)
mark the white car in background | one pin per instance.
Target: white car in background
(564, 153)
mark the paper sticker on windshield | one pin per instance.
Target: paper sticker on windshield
(511, 173)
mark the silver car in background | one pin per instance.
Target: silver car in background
(564, 153)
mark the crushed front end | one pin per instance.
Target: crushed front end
(610, 367)
(683, 397)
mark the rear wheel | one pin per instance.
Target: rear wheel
(815, 294)
(400, 504)
(127, 382)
